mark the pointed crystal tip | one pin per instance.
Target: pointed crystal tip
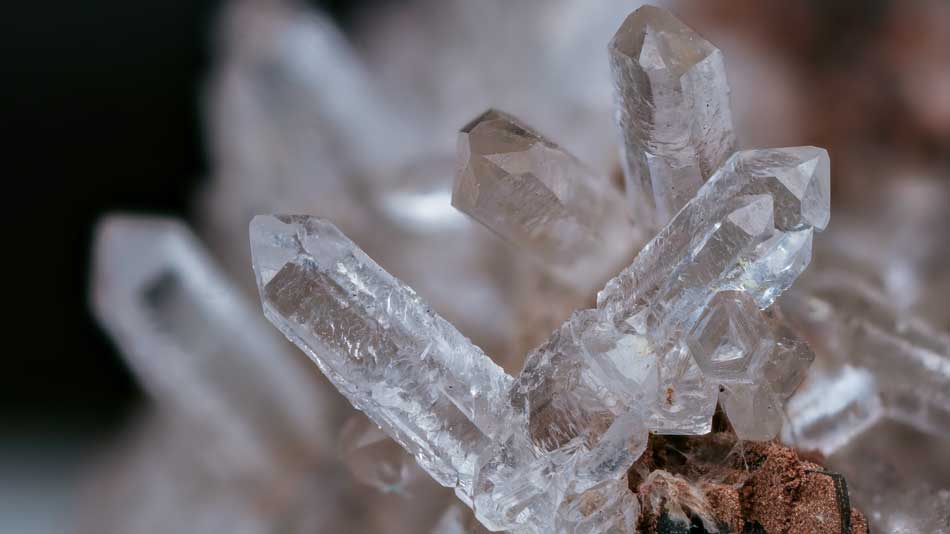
(658, 40)
(538, 196)
(799, 178)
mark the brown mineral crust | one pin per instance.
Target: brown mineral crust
(770, 493)
(725, 504)
(819, 512)
(748, 486)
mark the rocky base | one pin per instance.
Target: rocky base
(717, 483)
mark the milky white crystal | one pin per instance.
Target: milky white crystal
(408, 369)
(673, 111)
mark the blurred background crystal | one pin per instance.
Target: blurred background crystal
(359, 126)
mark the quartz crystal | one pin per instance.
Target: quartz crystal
(408, 369)
(534, 194)
(299, 125)
(673, 111)
(608, 508)
(199, 348)
(294, 114)
(242, 436)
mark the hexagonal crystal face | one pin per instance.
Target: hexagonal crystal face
(730, 339)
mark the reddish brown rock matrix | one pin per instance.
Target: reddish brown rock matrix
(717, 483)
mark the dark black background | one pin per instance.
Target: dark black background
(101, 113)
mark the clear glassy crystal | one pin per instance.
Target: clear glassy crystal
(408, 369)
(608, 508)
(611, 373)
(539, 197)
(673, 111)
(731, 339)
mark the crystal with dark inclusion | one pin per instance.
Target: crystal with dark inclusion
(409, 370)
(673, 111)
(539, 197)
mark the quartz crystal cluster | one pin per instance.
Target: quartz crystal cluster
(686, 325)
(530, 373)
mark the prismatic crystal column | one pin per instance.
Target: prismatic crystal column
(408, 369)
(543, 200)
(673, 111)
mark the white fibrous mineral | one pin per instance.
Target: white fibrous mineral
(688, 324)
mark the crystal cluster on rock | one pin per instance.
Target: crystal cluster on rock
(686, 325)
(298, 124)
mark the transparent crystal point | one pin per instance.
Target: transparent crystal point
(408, 369)
(198, 346)
(539, 197)
(832, 408)
(717, 224)
(673, 111)
(292, 113)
